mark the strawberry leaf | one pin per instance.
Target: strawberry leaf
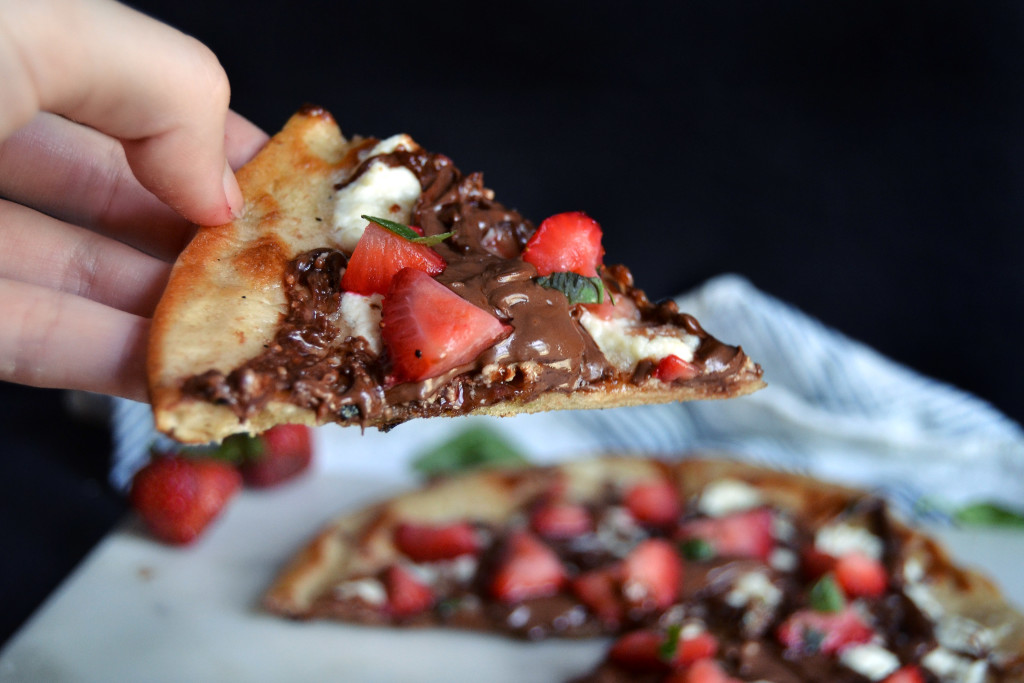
(407, 232)
(989, 514)
(579, 289)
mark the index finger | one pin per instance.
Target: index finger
(161, 93)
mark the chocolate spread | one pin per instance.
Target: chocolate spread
(341, 379)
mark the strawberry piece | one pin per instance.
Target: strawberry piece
(285, 451)
(651, 574)
(599, 591)
(808, 631)
(702, 671)
(178, 496)
(430, 543)
(672, 368)
(407, 595)
(561, 520)
(529, 569)
(861, 576)
(566, 242)
(638, 651)
(378, 257)
(429, 329)
(690, 650)
(741, 534)
(653, 502)
(617, 307)
(908, 674)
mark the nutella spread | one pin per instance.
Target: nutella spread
(313, 363)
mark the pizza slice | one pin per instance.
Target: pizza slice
(370, 282)
(702, 570)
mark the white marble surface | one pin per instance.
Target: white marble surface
(137, 610)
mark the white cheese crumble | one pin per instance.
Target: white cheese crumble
(841, 538)
(870, 660)
(618, 532)
(625, 344)
(359, 316)
(726, 496)
(952, 668)
(753, 587)
(783, 560)
(370, 591)
(383, 191)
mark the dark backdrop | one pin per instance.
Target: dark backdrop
(861, 160)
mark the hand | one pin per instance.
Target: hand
(115, 133)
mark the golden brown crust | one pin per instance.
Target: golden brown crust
(358, 544)
(226, 298)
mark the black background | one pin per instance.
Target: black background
(860, 160)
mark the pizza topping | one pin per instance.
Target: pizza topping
(561, 520)
(741, 534)
(429, 330)
(378, 257)
(429, 543)
(651, 575)
(566, 242)
(655, 503)
(870, 660)
(840, 538)
(529, 569)
(861, 576)
(811, 631)
(726, 496)
(827, 596)
(908, 674)
(407, 596)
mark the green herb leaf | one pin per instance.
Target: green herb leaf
(473, 448)
(827, 596)
(668, 647)
(579, 289)
(697, 550)
(407, 232)
(989, 514)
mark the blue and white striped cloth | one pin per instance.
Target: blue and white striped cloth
(834, 408)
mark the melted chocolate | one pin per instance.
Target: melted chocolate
(548, 350)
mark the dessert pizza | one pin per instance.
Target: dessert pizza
(370, 281)
(701, 570)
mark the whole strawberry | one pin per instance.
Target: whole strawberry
(178, 496)
(276, 455)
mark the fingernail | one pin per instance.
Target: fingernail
(232, 192)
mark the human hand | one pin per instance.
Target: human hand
(115, 133)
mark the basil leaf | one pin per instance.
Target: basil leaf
(668, 647)
(579, 289)
(989, 514)
(407, 232)
(827, 596)
(697, 550)
(473, 448)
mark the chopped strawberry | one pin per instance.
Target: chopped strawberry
(284, 451)
(561, 520)
(653, 502)
(529, 569)
(809, 631)
(407, 595)
(672, 368)
(861, 576)
(741, 534)
(690, 650)
(429, 329)
(617, 307)
(378, 257)
(703, 671)
(178, 496)
(600, 591)
(651, 574)
(566, 242)
(430, 543)
(908, 674)
(639, 651)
